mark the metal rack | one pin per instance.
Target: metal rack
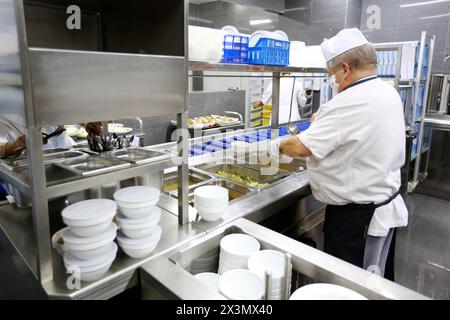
(276, 77)
(62, 86)
(412, 100)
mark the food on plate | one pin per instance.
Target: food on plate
(201, 122)
(242, 180)
(224, 120)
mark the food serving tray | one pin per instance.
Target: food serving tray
(93, 165)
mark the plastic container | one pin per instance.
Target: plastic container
(89, 218)
(139, 228)
(137, 202)
(235, 49)
(270, 52)
(139, 248)
(91, 270)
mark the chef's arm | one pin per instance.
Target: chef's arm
(8, 148)
(294, 148)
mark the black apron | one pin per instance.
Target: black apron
(345, 228)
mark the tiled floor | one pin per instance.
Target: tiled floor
(423, 248)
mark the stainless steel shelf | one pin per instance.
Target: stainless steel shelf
(204, 66)
(84, 183)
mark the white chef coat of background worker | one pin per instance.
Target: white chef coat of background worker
(298, 101)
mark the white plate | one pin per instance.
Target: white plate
(120, 130)
(324, 291)
(210, 279)
(239, 245)
(241, 285)
(89, 212)
(136, 195)
(267, 260)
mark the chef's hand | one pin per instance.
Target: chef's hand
(313, 117)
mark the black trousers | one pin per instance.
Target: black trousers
(345, 231)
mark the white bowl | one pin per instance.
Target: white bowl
(58, 242)
(206, 204)
(139, 228)
(324, 291)
(267, 260)
(210, 279)
(90, 231)
(89, 213)
(90, 270)
(137, 197)
(210, 196)
(137, 213)
(89, 248)
(239, 246)
(211, 214)
(140, 248)
(241, 285)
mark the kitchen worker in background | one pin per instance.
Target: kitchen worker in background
(287, 83)
(355, 149)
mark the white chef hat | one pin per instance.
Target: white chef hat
(344, 41)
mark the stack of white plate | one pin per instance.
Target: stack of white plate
(274, 262)
(241, 284)
(235, 249)
(325, 291)
(88, 242)
(138, 220)
(211, 202)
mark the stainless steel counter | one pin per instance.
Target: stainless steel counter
(17, 226)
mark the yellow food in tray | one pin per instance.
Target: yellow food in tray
(226, 121)
(242, 180)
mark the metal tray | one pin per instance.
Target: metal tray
(49, 158)
(136, 155)
(171, 179)
(93, 165)
(254, 174)
(235, 191)
(297, 165)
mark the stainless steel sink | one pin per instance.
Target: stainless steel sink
(201, 255)
(136, 155)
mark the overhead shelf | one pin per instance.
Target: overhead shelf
(205, 66)
(84, 183)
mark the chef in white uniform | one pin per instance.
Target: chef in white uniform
(355, 149)
(287, 84)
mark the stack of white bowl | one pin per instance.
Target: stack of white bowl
(235, 250)
(241, 284)
(89, 246)
(138, 220)
(211, 202)
(274, 262)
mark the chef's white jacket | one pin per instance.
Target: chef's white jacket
(298, 100)
(358, 147)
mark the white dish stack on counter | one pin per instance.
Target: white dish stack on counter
(138, 220)
(88, 242)
(211, 202)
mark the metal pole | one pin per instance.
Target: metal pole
(422, 122)
(41, 225)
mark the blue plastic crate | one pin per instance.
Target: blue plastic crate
(235, 49)
(270, 52)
